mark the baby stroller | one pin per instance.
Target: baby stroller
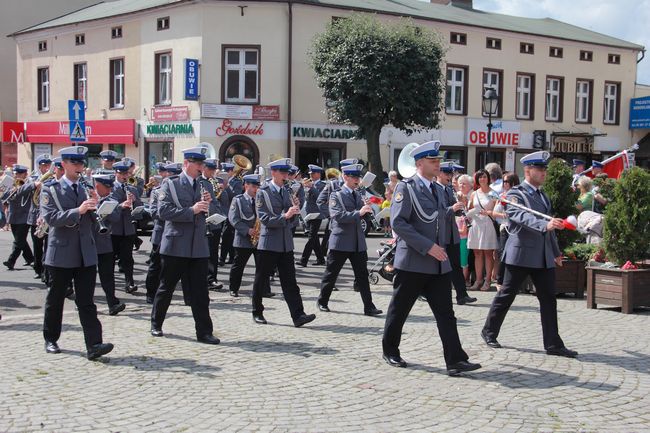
(384, 264)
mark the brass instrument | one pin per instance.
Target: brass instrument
(133, 180)
(216, 186)
(41, 228)
(149, 185)
(257, 228)
(332, 173)
(242, 165)
(17, 184)
(99, 220)
(36, 198)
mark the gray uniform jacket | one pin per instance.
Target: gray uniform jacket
(184, 233)
(452, 236)
(300, 192)
(345, 219)
(125, 226)
(34, 211)
(20, 204)
(71, 240)
(103, 242)
(312, 197)
(236, 185)
(324, 196)
(275, 234)
(242, 217)
(529, 244)
(158, 225)
(419, 220)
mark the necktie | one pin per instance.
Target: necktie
(253, 202)
(433, 193)
(74, 187)
(541, 197)
(194, 185)
(354, 197)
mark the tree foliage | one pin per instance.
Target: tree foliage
(374, 74)
(557, 187)
(627, 218)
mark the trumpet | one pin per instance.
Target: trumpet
(99, 220)
(17, 184)
(133, 180)
(149, 185)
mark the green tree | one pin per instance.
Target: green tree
(563, 199)
(627, 218)
(374, 74)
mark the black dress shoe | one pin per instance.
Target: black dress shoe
(214, 286)
(149, 300)
(465, 300)
(234, 294)
(259, 319)
(334, 289)
(70, 294)
(221, 263)
(229, 262)
(374, 311)
(561, 351)
(97, 350)
(113, 310)
(490, 341)
(394, 361)
(318, 263)
(208, 339)
(156, 332)
(268, 295)
(303, 320)
(461, 366)
(301, 263)
(52, 347)
(323, 308)
(131, 288)
(28, 263)
(38, 276)
(9, 265)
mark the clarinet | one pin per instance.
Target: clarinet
(100, 221)
(208, 232)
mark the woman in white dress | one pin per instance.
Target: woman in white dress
(482, 237)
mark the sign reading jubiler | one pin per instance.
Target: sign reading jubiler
(191, 79)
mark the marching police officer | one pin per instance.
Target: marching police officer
(183, 203)
(227, 232)
(242, 217)
(19, 199)
(123, 232)
(277, 214)
(453, 236)
(313, 225)
(34, 220)
(421, 264)
(578, 167)
(347, 240)
(108, 158)
(104, 244)
(531, 250)
(71, 253)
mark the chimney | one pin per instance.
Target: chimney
(465, 4)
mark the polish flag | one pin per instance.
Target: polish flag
(613, 166)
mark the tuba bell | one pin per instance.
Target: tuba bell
(405, 162)
(242, 165)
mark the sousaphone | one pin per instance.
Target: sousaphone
(405, 162)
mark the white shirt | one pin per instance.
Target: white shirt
(187, 176)
(275, 187)
(68, 181)
(426, 181)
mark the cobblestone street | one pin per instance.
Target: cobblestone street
(325, 377)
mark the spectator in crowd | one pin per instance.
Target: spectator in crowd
(499, 213)
(586, 197)
(386, 204)
(482, 237)
(392, 181)
(496, 175)
(465, 186)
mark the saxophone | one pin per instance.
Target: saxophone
(41, 228)
(257, 228)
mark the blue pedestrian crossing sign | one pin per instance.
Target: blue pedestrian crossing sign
(77, 117)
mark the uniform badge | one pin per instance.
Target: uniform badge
(332, 202)
(45, 199)
(398, 197)
(513, 199)
(259, 203)
(232, 207)
(161, 195)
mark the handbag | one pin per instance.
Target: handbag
(497, 228)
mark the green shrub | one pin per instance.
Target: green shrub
(626, 232)
(557, 187)
(581, 251)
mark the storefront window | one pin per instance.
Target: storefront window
(158, 151)
(119, 148)
(94, 160)
(325, 155)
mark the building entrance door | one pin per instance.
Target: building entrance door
(325, 154)
(157, 151)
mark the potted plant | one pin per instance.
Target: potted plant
(624, 281)
(572, 276)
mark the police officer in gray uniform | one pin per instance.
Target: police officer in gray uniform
(19, 200)
(183, 203)
(452, 235)
(277, 215)
(71, 253)
(227, 232)
(311, 206)
(123, 232)
(347, 241)
(242, 217)
(531, 250)
(104, 244)
(108, 159)
(331, 185)
(44, 162)
(421, 263)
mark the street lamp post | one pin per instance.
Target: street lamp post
(490, 106)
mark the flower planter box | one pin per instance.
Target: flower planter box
(618, 288)
(571, 277)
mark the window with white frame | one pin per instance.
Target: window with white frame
(454, 100)
(492, 80)
(524, 96)
(81, 82)
(164, 79)
(117, 83)
(43, 75)
(583, 97)
(611, 103)
(553, 99)
(242, 75)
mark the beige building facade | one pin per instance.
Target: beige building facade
(159, 76)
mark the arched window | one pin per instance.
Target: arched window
(239, 145)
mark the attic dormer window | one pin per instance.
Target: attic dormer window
(80, 39)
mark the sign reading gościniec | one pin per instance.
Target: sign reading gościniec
(170, 129)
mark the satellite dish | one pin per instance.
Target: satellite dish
(405, 162)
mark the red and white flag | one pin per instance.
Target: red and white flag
(613, 166)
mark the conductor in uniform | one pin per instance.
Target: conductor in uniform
(277, 214)
(71, 254)
(531, 250)
(348, 240)
(311, 207)
(183, 203)
(421, 263)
